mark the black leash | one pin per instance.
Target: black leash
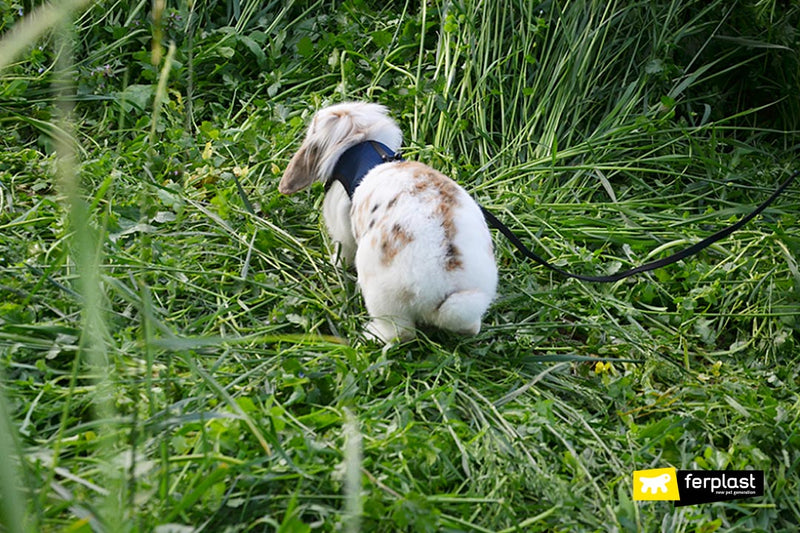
(674, 258)
(358, 160)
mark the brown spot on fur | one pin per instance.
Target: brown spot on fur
(452, 259)
(392, 202)
(445, 193)
(392, 242)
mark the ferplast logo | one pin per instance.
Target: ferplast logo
(692, 487)
(706, 486)
(655, 484)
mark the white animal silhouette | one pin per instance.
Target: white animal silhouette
(655, 484)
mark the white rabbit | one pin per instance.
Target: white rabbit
(421, 246)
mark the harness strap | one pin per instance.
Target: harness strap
(674, 258)
(357, 161)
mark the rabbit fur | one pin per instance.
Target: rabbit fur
(421, 246)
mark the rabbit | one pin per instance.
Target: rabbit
(421, 247)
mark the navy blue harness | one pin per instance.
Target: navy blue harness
(357, 161)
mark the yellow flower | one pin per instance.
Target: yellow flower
(601, 368)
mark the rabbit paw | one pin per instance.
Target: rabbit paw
(390, 331)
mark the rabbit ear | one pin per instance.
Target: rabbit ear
(301, 171)
(331, 132)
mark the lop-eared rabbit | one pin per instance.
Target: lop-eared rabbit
(421, 246)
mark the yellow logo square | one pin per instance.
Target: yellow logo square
(655, 484)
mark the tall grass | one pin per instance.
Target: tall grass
(179, 355)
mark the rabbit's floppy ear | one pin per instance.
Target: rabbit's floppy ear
(312, 162)
(301, 171)
(330, 134)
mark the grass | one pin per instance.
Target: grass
(179, 357)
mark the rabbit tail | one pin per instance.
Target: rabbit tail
(462, 311)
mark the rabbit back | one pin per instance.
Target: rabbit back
(424, 252)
